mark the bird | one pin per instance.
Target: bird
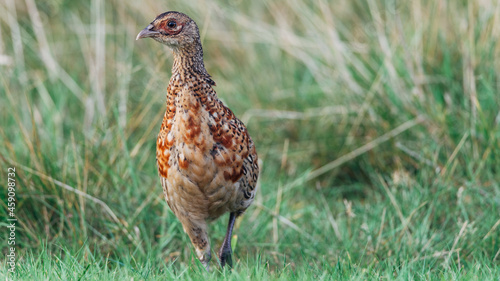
(206, 159)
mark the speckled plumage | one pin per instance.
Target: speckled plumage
(207, 161)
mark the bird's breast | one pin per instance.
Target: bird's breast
(185, 140)
(201, 151)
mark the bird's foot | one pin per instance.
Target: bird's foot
(205, 259)
(225, 257)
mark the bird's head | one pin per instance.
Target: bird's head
(173, 29)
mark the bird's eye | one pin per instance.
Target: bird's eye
(171, 24)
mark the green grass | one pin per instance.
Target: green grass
(376, 123)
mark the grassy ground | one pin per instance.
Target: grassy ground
(377, 124)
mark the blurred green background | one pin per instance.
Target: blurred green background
(376, 123)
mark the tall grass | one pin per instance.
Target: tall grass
(377, 124)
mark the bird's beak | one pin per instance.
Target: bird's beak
(147, 32)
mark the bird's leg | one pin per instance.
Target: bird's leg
(225, 249)
(197, 232)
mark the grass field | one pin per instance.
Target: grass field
(376, 123)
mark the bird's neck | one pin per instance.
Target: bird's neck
(188, 62)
